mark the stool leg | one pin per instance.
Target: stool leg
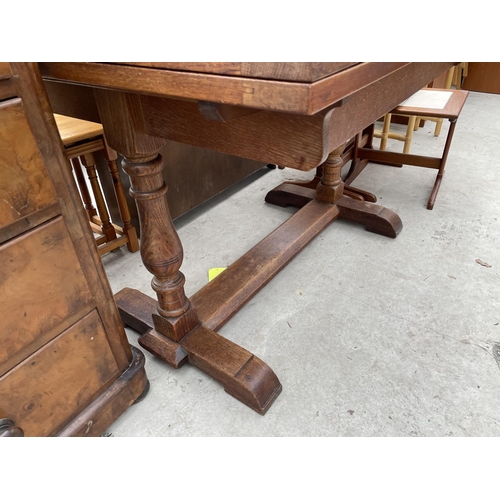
(107, 228)
(128, 229)
(437, 184)
(409, 134)
(84, 190)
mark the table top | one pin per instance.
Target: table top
(300, 88)
(439, 103)
(293, 72)
(293, 124)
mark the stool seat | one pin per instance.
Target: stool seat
(73, 130)
(81, 139)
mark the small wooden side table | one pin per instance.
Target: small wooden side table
(439, 103)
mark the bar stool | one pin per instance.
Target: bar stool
(81, 139)
(445, 104)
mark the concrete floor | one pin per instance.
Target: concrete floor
(369, 336)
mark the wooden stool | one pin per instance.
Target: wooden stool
(444, 104)
(81, 139)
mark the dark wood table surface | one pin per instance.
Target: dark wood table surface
(296, 115)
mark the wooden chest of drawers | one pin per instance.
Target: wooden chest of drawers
(66, 367)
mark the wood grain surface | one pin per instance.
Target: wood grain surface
(278, 95)
(73, 130)
(26, 186)
(68, 371)
(289, 71)
(40, 266)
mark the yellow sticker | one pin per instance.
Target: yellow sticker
(214, 272)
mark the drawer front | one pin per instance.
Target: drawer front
(25, 186)
(5, 71)
(42, 290)
(48, 389)
(7, 89)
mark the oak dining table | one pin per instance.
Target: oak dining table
(305, 116)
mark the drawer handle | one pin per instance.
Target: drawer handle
(8, 428)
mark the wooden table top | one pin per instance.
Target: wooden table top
(450, 110)
(293, 72)
(290, 123)
(301, 88)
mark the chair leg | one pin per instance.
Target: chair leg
(450, 77)
(439, 124)
(128, 229)
(385, 131)
(107, 228)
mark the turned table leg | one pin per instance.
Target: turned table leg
(291, 193)
(178, 336)
(375, 218)
(161, 249)
(331, 189)
(171, 328)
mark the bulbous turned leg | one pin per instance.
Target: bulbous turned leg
(331, 187)
(170, 326)
(161, 249)
(299, 193)
(177, 335)
(375, 218)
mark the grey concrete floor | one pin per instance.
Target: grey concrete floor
(369, 336)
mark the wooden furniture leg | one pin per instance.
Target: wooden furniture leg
(106, 226)
(385, 131)
(128, 229)
(84, 190)
(174, 331)
(376, 218)
(178, 333)
(286, 194)
(409, 134)
(439, 177)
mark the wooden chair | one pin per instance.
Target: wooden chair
(81, 139)
(440, 103)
